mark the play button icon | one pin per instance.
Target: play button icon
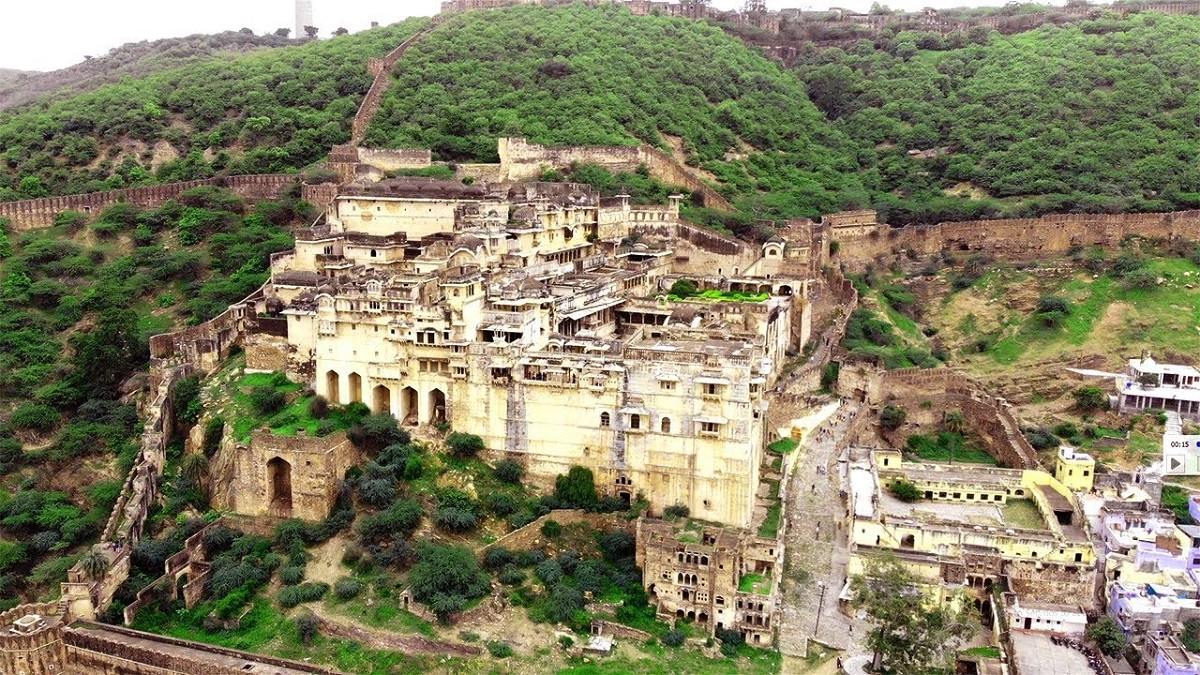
(1175, 464)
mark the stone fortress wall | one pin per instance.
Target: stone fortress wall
(381, 70)
(1014, 239)
(33, 213)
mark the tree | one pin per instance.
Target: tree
(905, 491)
(306, 627)
(1090, 398)
(310, 31)
(892, 417)
(194, 467)
(445, 578)
(909, 633)
(283, 32)
(105, 355)
(464, 445)
(94, 564)
(954, 421)
(1107, 635)
(340, 31)
(1052, 309)
(683, 288)
(576, 489)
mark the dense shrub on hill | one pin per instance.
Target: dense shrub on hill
(1117, 134)
(579, 75)
(263, 111)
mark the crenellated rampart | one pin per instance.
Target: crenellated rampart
(34, 213)
(95, 648)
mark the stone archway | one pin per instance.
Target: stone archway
(332, 386)
(382, 399)
(355, 387)
(437, 406)
(408, 406)
(279, 486)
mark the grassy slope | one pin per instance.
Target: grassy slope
(1106, 317)
(134, 59)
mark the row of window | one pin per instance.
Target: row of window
(635, 422)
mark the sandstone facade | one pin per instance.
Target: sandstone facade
(536, 316)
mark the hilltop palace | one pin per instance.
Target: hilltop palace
(537, 316)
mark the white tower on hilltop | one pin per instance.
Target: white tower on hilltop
(304, 17)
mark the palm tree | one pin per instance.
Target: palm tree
(955, 421)
(195, 467)
(95, 564)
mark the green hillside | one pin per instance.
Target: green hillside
(1096, 116)
(1099, 116)
(574, 75)
(264, 111)
(134, 59)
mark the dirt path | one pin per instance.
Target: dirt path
(379, 639)
(326, 562)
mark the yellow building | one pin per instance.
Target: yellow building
(973, 527)
(1075, 469)
(538, 317)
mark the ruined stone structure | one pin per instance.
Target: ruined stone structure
(287, 476)
(521, 160)
(698, 574)
(536, 316)
(33, 213)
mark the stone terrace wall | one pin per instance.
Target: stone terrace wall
(808, 376)
(33, 213)
(92, 648)
(381, 69)
(205, 345)
(191, 561)
(1015, 239)
(86, 596)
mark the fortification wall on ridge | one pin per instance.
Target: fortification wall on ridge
(29, 214)
(381, 69)
(1016, 239)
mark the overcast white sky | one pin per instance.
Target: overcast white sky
(51, 34)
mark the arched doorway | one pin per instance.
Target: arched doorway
(355, 388)
(332, 393)
(785, 290)
(279, 486)
(383, 399)
(437, 406)
(408, 406)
